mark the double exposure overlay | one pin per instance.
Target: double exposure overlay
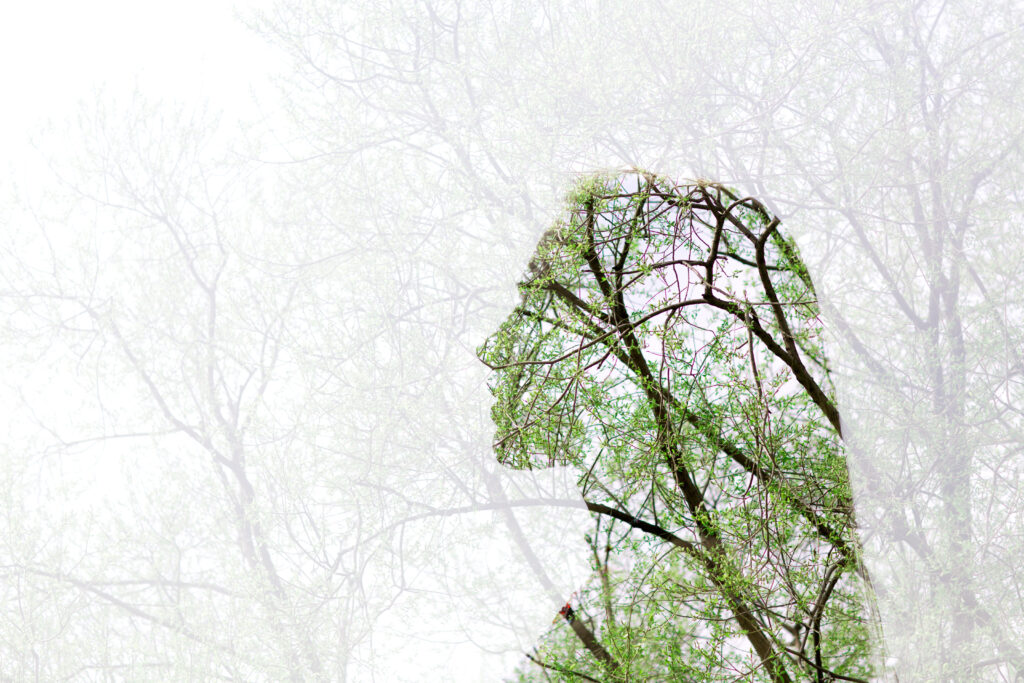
(667, 347)
(246, 288)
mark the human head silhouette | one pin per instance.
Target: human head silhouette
(667, 347)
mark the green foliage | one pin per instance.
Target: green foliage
(667, 346)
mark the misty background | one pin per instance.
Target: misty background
(249, 252)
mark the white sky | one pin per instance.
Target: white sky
(55, 52)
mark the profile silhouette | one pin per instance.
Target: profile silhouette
(667, 349)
